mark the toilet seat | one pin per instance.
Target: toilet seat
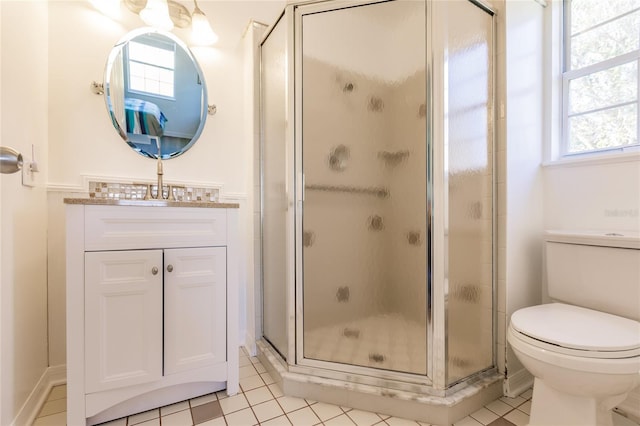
(577, 331)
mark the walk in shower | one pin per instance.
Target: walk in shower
(378, 193)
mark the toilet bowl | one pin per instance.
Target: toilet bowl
(584, 360)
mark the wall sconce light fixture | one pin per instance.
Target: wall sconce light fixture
(156, 14)
(165, 15)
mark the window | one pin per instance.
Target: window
(151, 69)
(601, 74)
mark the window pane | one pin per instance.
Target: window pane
(164, 58)
(151, 55)
(152, 73)
(137, 83)
(611, 128)
(587, 13)
(607, 41)
(166, 89)
(136, 69)
(605, 88)
(166, 76)
(152, 86)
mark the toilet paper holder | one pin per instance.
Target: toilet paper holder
(10, 160)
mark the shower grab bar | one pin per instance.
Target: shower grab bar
(379, 192)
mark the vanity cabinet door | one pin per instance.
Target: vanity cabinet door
(194, 308)
(123, 318)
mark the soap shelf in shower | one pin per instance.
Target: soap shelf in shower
(379, 192)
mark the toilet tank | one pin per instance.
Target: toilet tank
(600, 271)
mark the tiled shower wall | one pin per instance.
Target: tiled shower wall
(334, 220)
(385, 270)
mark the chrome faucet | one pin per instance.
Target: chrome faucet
(160, 192)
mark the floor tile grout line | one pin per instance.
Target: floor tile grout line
(274, 398)
(345, 410)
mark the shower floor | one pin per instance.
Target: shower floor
(388, 342)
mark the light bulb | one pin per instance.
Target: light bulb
(201, 31)
(156, 14)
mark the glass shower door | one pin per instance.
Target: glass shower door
(364, 222)
(467, 47)
(274, 195)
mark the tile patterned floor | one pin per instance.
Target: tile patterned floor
(261, 402)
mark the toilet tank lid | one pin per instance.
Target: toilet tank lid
(619, 239)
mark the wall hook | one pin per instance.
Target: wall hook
(97, 88)
(212, 109)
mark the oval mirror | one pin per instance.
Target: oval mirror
(155, 93)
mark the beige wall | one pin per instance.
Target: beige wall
(23, 281)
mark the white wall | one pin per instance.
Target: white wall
(588, 196)
(83, 142)
(23, 280)
(252, 237)
(520, 196)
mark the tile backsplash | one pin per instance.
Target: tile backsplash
(137, 191)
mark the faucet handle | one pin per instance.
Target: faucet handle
(172, 197)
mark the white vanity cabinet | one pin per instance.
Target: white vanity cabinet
(151, 307)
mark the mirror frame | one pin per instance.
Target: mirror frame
(118, 49)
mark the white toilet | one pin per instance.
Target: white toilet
(584, 349)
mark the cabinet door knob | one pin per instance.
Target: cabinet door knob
(169, 268)
(154, 270)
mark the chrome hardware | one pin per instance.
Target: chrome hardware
(97, 88)
(379, 192)
(10, 160)
(154, 270)
(169, 268)
(160, 191)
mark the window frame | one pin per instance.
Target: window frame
(569, 74)
(171, 47)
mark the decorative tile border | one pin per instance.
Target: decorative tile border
(137, 191)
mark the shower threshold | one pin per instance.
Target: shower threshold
(434, 406)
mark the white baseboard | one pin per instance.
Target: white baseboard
(517, 383)
(52, 376)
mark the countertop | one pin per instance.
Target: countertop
(149, 203)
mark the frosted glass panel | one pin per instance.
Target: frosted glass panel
(364, 161)
(274, 200)
(468, 169)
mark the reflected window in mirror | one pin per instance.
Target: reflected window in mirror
(155, 93)
(151, 68)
